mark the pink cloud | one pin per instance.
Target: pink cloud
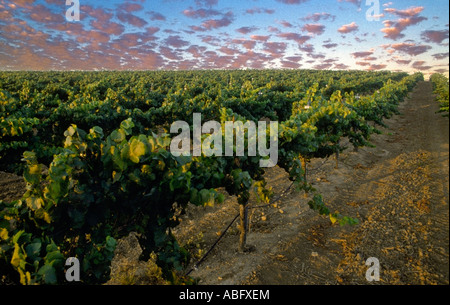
(43, 14)
(419, 65)
(248, 44)
(403, 61)
(410, 12)
(294, 58)
(130, 7)
(290, 64)
(348, 28)
(131, 19)
(246, 29)
(228, 51)
(206, 2)
(323, 66)
(201, 13)
(434, 36)
(410, 48)
(439, 56)
(175, 41)
(226, 20)
(292, 1)
(155, 16)
(196, 51)
(355, 2)
(260, 37)
(330, 45)
(341, 66)
(300, 39)
(285, 23)
(362, 54)
(316, 29)
(393, 29)
(377, 67)
(275, 48)
(258, 10)
(319, 16)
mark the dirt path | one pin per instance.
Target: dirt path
(398, 190)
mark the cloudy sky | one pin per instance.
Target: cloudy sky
(403, 35)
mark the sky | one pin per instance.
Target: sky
(398, 35)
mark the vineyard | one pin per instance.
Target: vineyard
(93, 148)
(440, 88)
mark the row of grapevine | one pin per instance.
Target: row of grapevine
(440, 88)
(110, 171)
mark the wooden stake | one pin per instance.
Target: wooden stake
(243, 211)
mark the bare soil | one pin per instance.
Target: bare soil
(398, 190)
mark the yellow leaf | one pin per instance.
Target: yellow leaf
(3, 234)
(34, 203)
(35, 169)
(333, 219)
(15, 260)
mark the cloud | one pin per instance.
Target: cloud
(246, 29)
(410, 12)
(323, 66)
(292, 1)
(300, 39)
(434, 36)
(260, 37)
(315, 29)
(393, 29)
(206, 2)
(175, 41)
(347, 28)
(376, 67)
(401, 61)
(275, 48)
(290, 64)
(131, 19)
(155, 16)
(43, 14)
(410, 48)
(285, 23)
(355, 2)
(247, 44)
(130, 7)
(258, 10)
(341, 66)
(316, 17)
(196, 51)
(362, 54)
(228, 51)
(200, 13)
(419, 65)
(169, 53)
(330, 45)
(211, 24)
(439, 56)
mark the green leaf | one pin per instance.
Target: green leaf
(97, 130)
(118, 136)
(127, 125)
(33, 250)
(48, 274)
